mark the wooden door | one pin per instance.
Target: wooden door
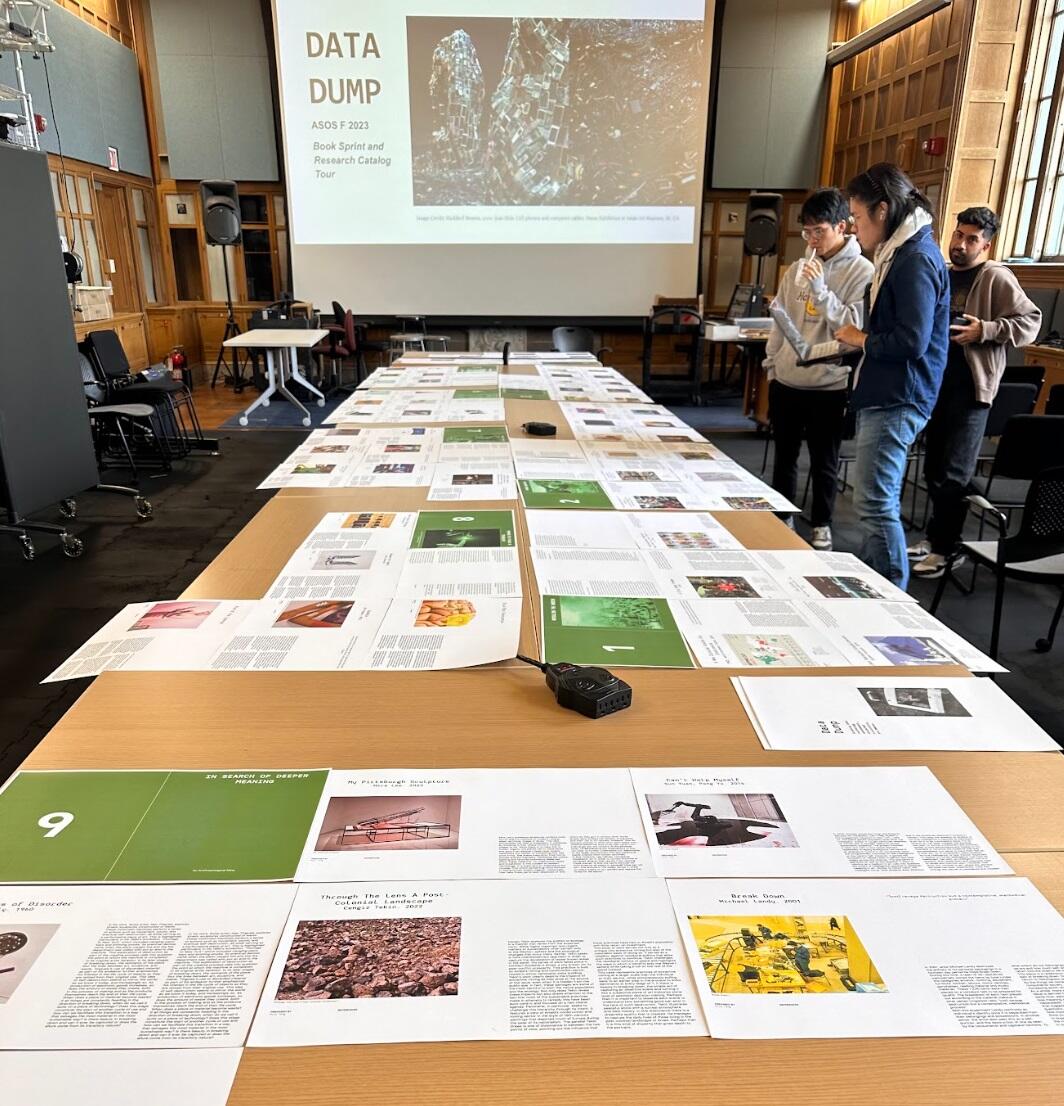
(117, 248)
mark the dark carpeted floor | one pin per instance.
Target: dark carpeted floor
(54, 604)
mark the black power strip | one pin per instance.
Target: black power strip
(593, 692)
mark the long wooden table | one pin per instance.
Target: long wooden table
(504, 716)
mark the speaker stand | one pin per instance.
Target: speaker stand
(232, 329)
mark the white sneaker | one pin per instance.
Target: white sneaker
(933, 566)
(918, 551)
(822, 538)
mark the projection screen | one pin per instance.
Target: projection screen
(485, 158)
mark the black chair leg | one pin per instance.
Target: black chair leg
(943, 580)
(999, 604)
(1044, 644)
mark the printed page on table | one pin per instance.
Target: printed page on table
(755, 633)
(475, 443)
(475, 823)
(617, 572)
(808, 574)
(464, 554)
(753, 822)
(551, 469)
(745, 495)
(585, 530)
(473, 480)
(392, 473)
(392, 446)
(550, 453)
(338, 573)
(872, 958)
(135, 967)
(322, 461)
(478, 960)
(692, 453)
(473, 410)
(560, 493)
(304, 635)
(452, 631)
(870, 712)
(706, 576)
(613, 631)
(121, 1077)
(172, 634)
(155, 827)
(897, 634)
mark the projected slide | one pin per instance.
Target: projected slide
(479, 122)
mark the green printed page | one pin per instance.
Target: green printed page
(578, 494)
(476, 393)
(612, 632)
(475, 434)
(463, 530)
(525, 393)
(156, 826)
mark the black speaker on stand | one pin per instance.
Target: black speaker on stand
(762, 232)
(221, 224)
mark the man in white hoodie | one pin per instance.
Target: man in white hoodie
(821, 292)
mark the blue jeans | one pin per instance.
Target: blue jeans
(884, 438)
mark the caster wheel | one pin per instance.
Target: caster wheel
(321, 403)
(68, 508)
(144, 507)
(28, 550)
(265, 403)
(72, 547)
(1043, 645)
(243, 420)
(306, 421)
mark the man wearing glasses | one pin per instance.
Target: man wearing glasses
(820, 292)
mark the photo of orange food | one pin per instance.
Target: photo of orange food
(435, 613)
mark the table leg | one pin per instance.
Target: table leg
(282, 390)
(293, 371)
(271, 389)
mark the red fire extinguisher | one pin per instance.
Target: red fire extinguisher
(179, 366)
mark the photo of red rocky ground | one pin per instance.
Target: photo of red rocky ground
(372, 958)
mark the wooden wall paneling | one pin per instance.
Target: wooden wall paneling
(112, 17)
(991, 69)
(893, 96)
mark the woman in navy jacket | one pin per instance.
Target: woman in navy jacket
(905, 348)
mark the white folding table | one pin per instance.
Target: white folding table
(286, 343)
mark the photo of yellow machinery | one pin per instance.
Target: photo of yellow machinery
(807, 955)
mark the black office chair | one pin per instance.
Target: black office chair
(678, 321)
(1026, 374)
(171, 399)
(1055, 401)
(1034, 554)
(576, 339)
(1029, 444)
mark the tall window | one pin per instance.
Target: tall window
(77, 220)
(1036, 198)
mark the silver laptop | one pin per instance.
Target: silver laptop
(807, 354)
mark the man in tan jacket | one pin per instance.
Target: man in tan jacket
(988, 312)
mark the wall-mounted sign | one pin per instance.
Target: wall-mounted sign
(112, 158)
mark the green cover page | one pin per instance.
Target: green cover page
(475, 434)
(476, 393)
(463, 530)
(131, 827)
(578, 494)
(612, 632)
(525, 393)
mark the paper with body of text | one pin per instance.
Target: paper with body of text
(866, 712)
(155, 826)
(477, 960)
(781, 822)
(475, 823)
(120, 1077)
(135, 967)
(873, 958)
(626, 530)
